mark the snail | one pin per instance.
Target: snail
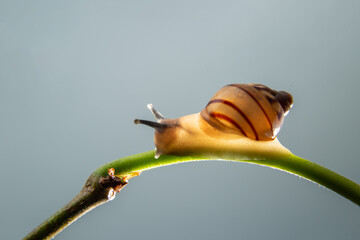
(238, 116)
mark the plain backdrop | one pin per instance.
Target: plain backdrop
(75, 74)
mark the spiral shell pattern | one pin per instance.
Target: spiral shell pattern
(252, 110)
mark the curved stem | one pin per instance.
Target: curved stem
(285, 162)
(317, 174)
(100, 186)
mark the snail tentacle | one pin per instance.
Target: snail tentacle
(158, 116)
(158, 126)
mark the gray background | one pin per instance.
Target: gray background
(74, 75)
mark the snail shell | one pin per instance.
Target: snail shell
(252, 110)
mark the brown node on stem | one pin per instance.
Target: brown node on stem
(112, 181)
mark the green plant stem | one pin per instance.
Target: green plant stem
(287, 162)
(94, 194)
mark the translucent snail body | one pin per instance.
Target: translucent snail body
(239, 117)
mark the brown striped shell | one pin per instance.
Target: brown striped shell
(252, 110)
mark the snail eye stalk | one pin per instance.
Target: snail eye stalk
(158, 116)
(156, 125)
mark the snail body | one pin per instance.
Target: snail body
(239, 116)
